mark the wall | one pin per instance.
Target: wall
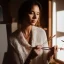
(3, 41)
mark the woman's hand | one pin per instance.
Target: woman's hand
(36, 51)
(52, 53)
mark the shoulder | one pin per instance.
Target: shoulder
(13, 37)
(15, 34)
(39, 29)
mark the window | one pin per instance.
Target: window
(58, 28)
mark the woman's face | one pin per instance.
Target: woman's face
(33, 15)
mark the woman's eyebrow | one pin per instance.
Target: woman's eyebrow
(38, 12)
(33, 12)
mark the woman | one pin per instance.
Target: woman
(26, 43)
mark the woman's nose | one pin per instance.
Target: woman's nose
(34, 16)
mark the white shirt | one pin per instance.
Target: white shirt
(20, 44)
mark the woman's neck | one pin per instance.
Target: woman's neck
(27, 32)
(26, 29)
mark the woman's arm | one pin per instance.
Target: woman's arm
(13, 56)
(31, 56)
(13, 53)
(27, 60)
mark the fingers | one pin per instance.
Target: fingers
(38, 49)
(55, 49)
(39, 46)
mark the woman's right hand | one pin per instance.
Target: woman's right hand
(36, 51)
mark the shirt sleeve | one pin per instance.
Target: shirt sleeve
(45, 44)
(13, 49)
(44, 41)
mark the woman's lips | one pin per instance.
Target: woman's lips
(33, 21)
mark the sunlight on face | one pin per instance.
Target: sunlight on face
(34, 15)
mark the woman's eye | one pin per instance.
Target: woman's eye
(31, 13)
(34, 13)
(38, 14)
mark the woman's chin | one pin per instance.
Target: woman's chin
(33, 24)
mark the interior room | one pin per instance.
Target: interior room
(52, 24)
